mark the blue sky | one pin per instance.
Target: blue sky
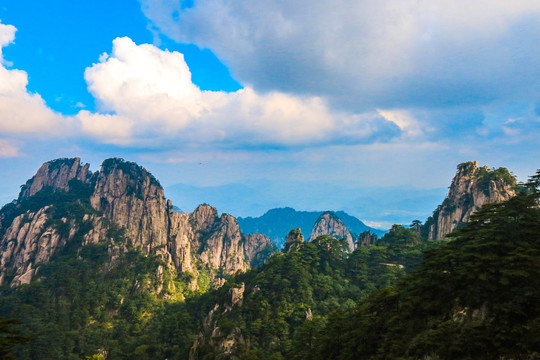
(365, 106)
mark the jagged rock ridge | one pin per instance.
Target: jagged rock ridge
(471, 188)
(66, 202)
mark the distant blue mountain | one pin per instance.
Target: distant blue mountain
(276, 223)
(381, 205)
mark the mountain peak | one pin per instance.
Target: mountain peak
(471, 188)
(56, 174)
(128, 168)
(122, 206)
(293, 239)
(329, 223)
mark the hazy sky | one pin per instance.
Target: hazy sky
(365, 106)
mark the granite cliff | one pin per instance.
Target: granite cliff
(293, 239)
(329, 224)
(121, 205)
(471, 188)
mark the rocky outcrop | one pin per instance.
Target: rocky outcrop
(366, 238)
(471, 188)
(131, 197)
(56, 174)
(258, 248)
(293, 240)
(276, 223)
(203, 218)
(28, 240)
(223, 247)
(329, 224)
(180, 238)
(121, 205)
(226, 344)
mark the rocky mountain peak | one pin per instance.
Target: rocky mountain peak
(130, 196)
(56, 174)
(467, 168)
(223, 247)
(131, 170)
(204, 217)
(471, 188)
(329, 224)
(121, 205)
(292, 240)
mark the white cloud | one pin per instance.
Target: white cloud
(113, 129)
(146, 98)
(364, 53)
(149, 97)
(7, 35)
(22, 112)
(410, 126)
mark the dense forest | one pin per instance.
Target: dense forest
(473, 295)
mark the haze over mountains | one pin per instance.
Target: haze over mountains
(276, 223)
(377, 207)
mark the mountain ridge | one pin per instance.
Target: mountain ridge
(65, 203)
(107, 266)
(276, 223)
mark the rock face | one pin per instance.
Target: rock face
(180, 237)
(258, 248)
(293, 239)
(30, 240)
(56, 174)
(131, 197)
(366, 238)
(223, 247)
(471, 188)
(226, 344)
(329, 224)
(121, 205)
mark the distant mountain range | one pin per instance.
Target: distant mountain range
(380, 205)
(276, 223)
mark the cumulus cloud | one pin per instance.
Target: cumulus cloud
(368, 54)
(146, 95)
(408, 124)
(22, 112)
(7, 35)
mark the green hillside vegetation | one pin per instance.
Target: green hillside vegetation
(309, 282)
(83, 303)
(474, 295)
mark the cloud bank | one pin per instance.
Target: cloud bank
(364, 54)
(146, 95)
(146, 98)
